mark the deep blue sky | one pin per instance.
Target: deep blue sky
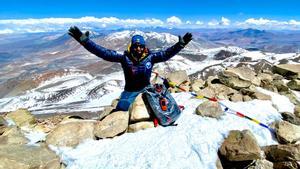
(184, 9)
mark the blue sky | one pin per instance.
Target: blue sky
(185, 9)
(52, 15)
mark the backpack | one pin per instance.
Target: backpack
(161, 104)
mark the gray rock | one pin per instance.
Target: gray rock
(297, 111)
(238, 78)
(210, 109)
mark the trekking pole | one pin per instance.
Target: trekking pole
(172, 84)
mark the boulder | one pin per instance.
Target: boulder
(297, 111)
(22, 117)
(107, 110)
(112, 125)
(210, 109)
(71, 133)
(287, 165)
(291, 71)
(180, 78)
(13, 135)
(138, 111)
(197, 85)
(236, 97)
(280, 86)
(140, 126)
(290, 117)
(261, 164)
(287, 132)
(260, 96)
(27, 157)
(240, 146)
(217, 90)
(280, 153)
(246, 98)
(294, 84)
(238, 78)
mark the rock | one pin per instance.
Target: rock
(22, 117)
(13, 135)
(280, 86)
(246, 98)
(291, 71)
(280, 153)
(71, 133)
(3, 125)
(238, 78)
(197, 85)
(217, 90)
(219, 164)
(210, 109)
(293, 98)
(27, 157)
(287, 132)
(240, 146)
(297, 111)
(287, 165)
(105, 112)
(289, 117)
(294, 84)
(261, 164)
(180, 78)
(212, 80)
(112, 125)
(223, 54)
(260, 96)
(138, 111)
(236, 97)
(140, 126)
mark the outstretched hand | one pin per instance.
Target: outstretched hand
(78, 35)
(185, 39)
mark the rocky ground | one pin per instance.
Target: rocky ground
(239, 149)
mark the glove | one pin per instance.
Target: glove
(183, 41)
(78, 35)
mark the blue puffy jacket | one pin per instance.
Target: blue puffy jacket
(137, 74)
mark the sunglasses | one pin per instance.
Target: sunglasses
(136, 45)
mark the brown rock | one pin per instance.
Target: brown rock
(140, 126)
(71, 133)
(27, 157)
(287, 132)
(246, 98)
(138, 111)
(197, 85)
(112, 125)
(280, 153)
(297, 111)
(180, 78)
(288, 70)
(289, 117)
(287, 165)
(236, 97)
(261, 164)
(260, 96)
(13, 135)
(240, 146)
(294, 84)
(22, 117)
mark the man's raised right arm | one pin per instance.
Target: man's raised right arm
(83, 39)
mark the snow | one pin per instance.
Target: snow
(192, 144)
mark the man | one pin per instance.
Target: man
(137, 62)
